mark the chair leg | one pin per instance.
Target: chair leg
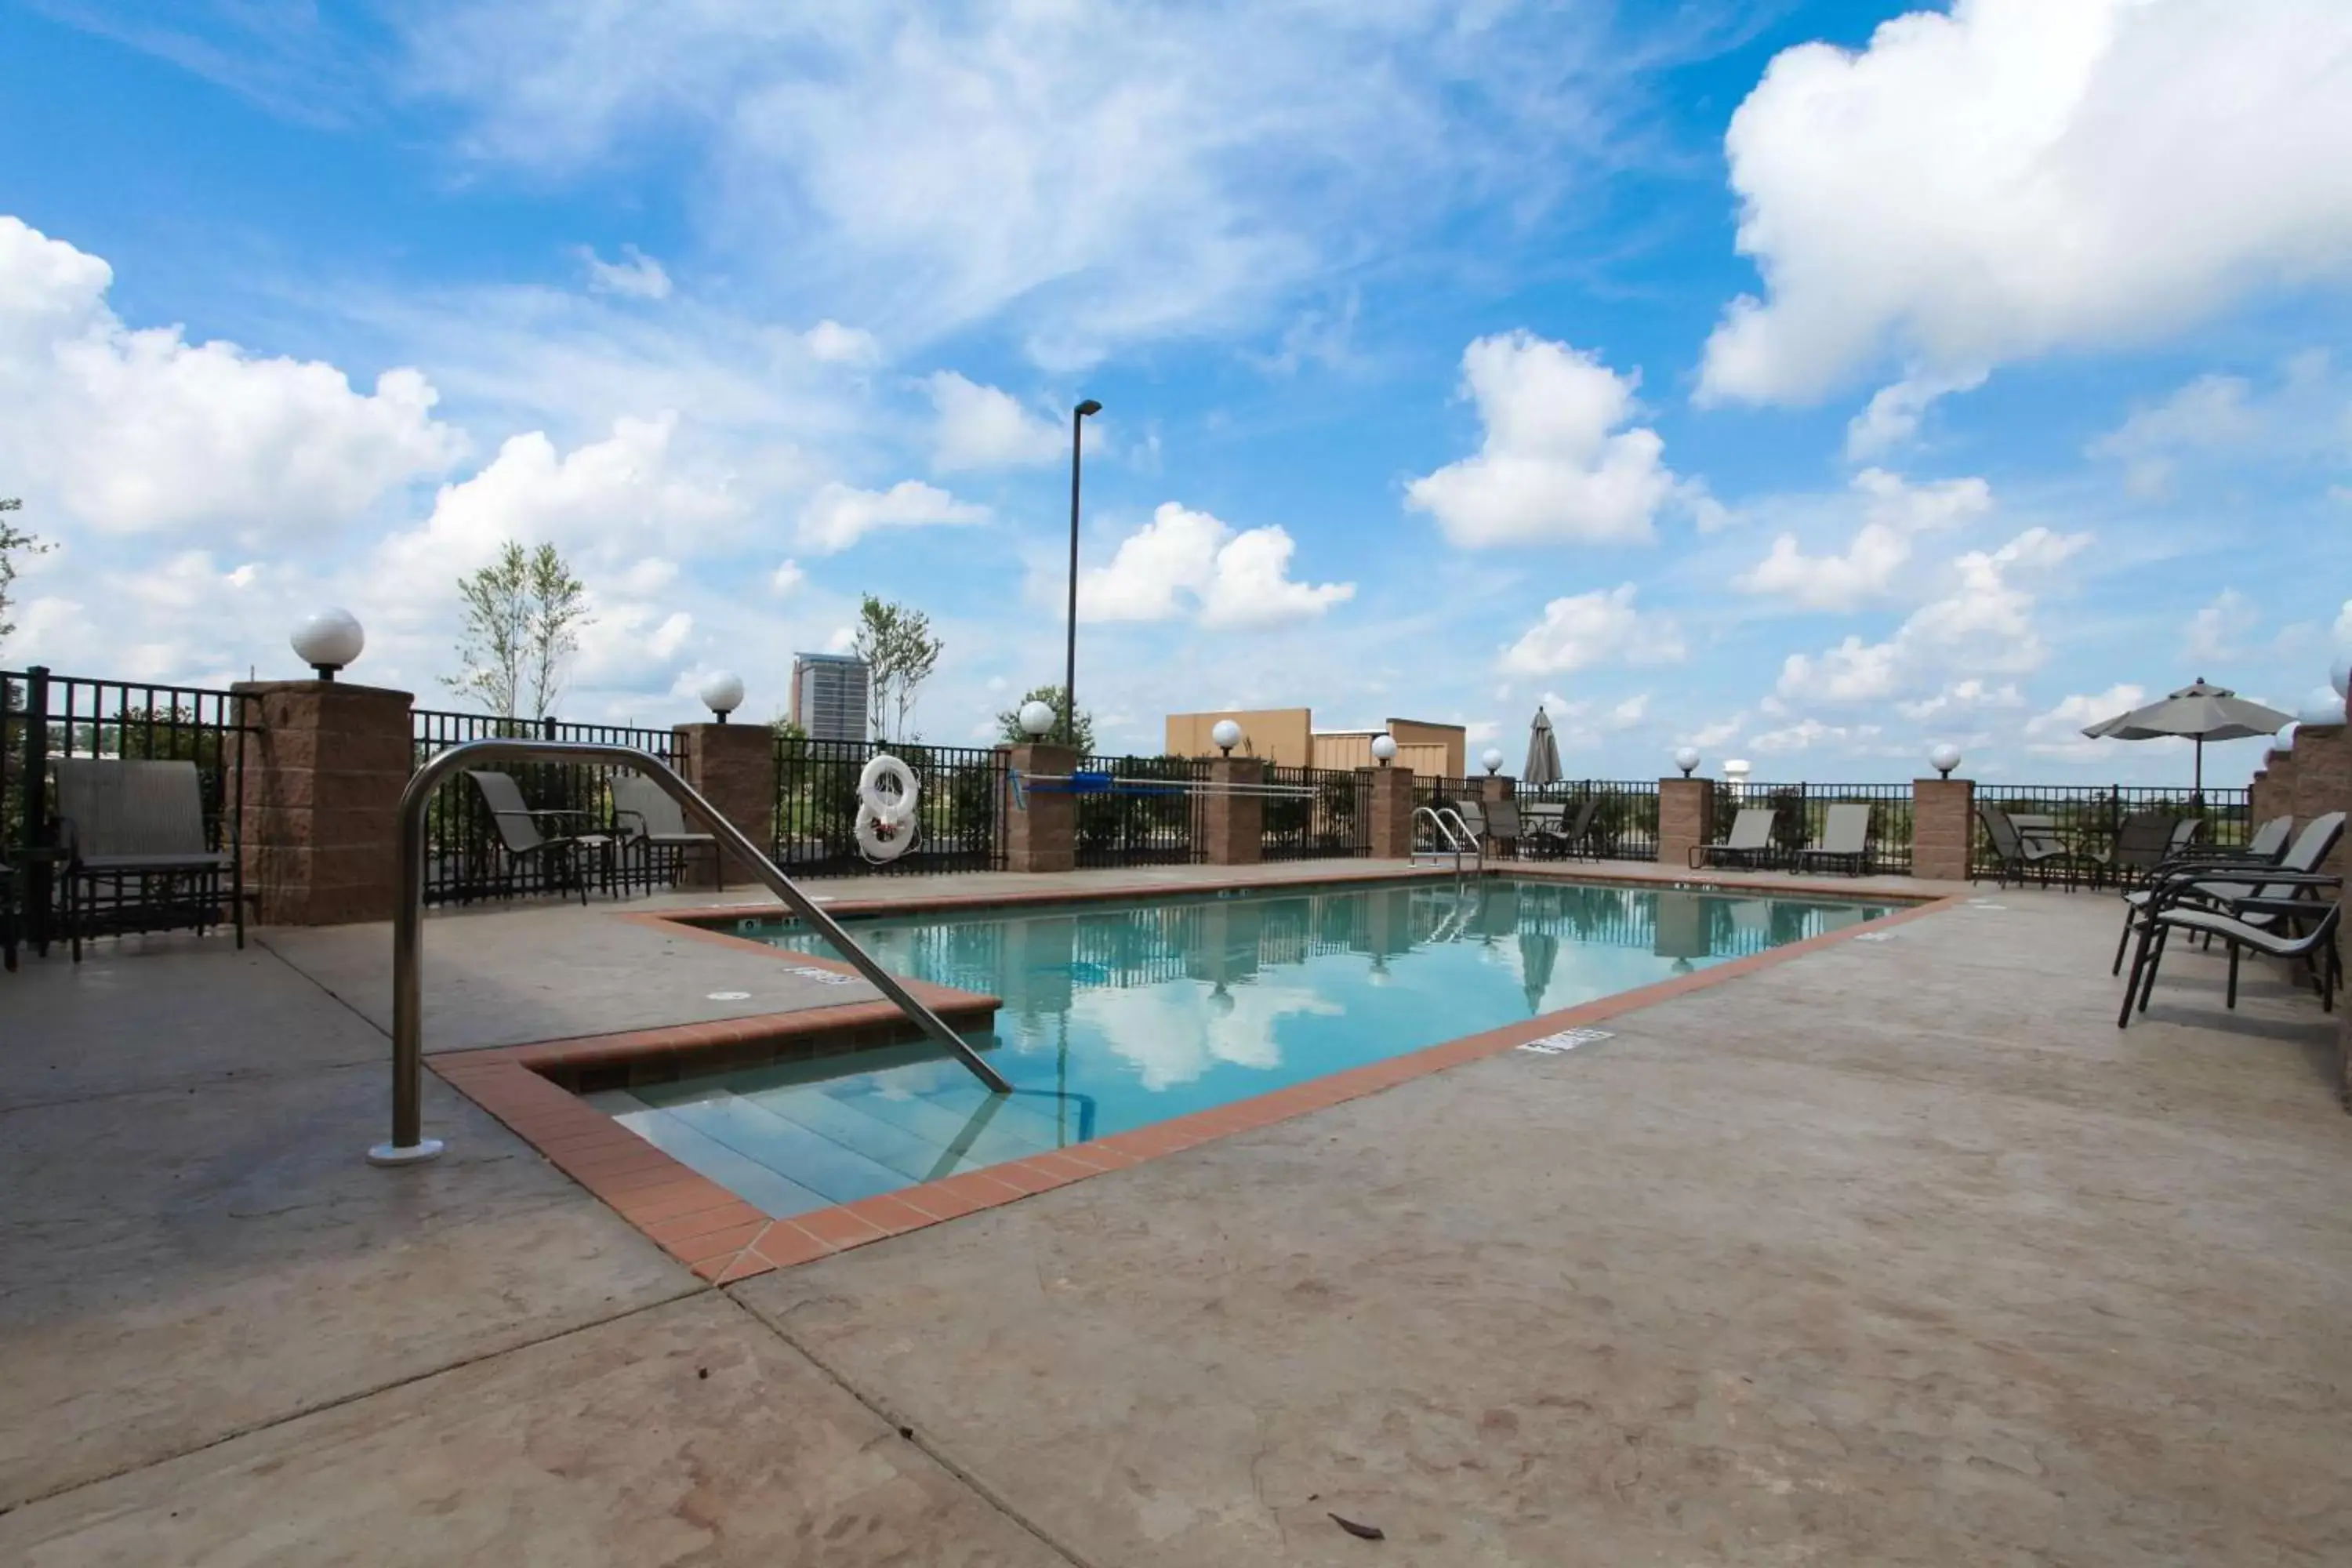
(2155, 961)
(2131, 986)
(2231, 1000)
(2123, 941)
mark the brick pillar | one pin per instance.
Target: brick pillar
(2259, 807)
(1493, 790)
(1234, 824)
(1391, 793)
(322, 800)
(1044, 836)
(1943, 827)
(734, 767)
(2323, 777)
(1685, 819)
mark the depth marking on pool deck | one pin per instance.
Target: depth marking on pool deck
(1566, 1040)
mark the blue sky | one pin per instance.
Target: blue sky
(1809, 382)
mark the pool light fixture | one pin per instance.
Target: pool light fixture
(1944, 758)
(1227, 735)
(722, 693)
(1383, 749)
(1036, 718)
(328, 641)
(1686, 758)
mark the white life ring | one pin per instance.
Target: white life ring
(879, 839)
(897, 811)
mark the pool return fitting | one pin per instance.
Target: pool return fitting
(409, 1145)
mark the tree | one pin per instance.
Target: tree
(1008, 723)
(523, 615)
(900, 654)
(12, 541)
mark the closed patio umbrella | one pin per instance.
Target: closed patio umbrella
(1543, 753)
(2196, 712)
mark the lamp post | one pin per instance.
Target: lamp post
(722, 693)
(328, 641)
(1070, 652)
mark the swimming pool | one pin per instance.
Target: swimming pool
(1119, 1015)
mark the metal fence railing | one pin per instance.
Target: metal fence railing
(960, 799)
(45, 717)
(1802, 815)
(1333, 822)
(465, 856)
(1624, 822)
(1131, 824)
(2088, 818)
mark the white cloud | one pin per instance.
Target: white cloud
(1892, 418)
(1587, 629)
(789, 578)
(133, 431)
(2214, 630)
(841, 639)
(830, 342)
(987, 427)
(2058, 732)
(2211, 411)
(1807, 733)
(1238, 581)
(837, 516)
(1853, 671)
(1630, 712)
(2018, 176)
(635, 276)
(1894, 512)
(1961, 696)
(1555, 465)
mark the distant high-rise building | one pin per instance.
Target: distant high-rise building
(829, 696)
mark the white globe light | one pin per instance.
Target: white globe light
(2322, 706)
(2340, 675)
(1384, 747)
(1038, 717)
(1492, 759)
(1944, 758)
(2283, 742)
(722, 693)
(1686, 758)
(328, 641)
(1226, 733)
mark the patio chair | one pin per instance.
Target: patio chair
(1844, 840)
(1473, 816)
(648, 819)
(2315, 946)
(1503, 825)
(1576, 838)
(122, 821)
(1750, 844)
(2013, 853)
(521, 838)
(1540, 824)
(2221, 885)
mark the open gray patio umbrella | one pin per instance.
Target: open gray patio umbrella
(2197, 712)
(1543, 753)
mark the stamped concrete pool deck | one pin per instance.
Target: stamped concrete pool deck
(1898, 1252)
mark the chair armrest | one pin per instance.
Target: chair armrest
(2309, 907)
(549, 811)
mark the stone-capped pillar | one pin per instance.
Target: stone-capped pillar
(1042, 835)
(734, 767)
(1235, 825)
(320, 800)
(1493, 790)
(1685, 819)
(2323, 777)
(1391, 810)
(1943, 828)
(2260, 805)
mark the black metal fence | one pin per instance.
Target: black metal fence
(1132, 824)
(2088, 818)
(467, 856)
(1624, 821)
(1801, 815)
(1332, 821)
(960, 800)
(45, 717)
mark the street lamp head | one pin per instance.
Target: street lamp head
(2340, 675)
(1493, 760)
(1227, 735)
(1086, 408)
(329, 640)
(1036, 717)
(1686, 758)
(722, 693)
(1944, 759)
(1384, 749)
(2283, 742)
(2323, 706)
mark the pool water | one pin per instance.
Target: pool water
(1116, 1015)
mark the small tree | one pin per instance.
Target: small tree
(13, 540)
(1008, 723)
(900, 653)
(523, 615)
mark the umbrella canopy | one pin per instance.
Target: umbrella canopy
(1543, 752)
(2196, 712)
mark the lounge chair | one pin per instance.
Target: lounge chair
(2221, 885)
(1845, 840)
(1577, 838)
(2315, 946)
(1750, 844)
(519, 835)
(123, 821)
(2013, 854)
(648, 819)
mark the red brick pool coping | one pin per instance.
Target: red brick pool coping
(723, 1238)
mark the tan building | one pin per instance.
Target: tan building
(1287, 738)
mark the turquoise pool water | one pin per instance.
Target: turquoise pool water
(1116, 1015)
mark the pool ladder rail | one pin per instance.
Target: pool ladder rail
(1452, 834)
(409, 1145)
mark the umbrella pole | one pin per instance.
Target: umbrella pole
(2198, 787)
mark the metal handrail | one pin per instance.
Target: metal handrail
(408, 1143)
(1447, 821)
